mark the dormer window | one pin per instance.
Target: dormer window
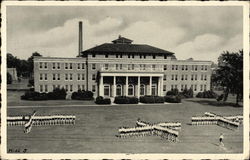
(106, 55)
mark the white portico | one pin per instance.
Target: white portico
(130, 84)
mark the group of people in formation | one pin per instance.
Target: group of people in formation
(204, 120)
(170, 125)
(42, 120)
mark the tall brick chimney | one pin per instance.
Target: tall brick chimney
(80, 38)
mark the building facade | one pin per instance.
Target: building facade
(122, 68)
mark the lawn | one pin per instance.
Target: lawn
(96, 127)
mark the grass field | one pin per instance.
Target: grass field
(96, 127)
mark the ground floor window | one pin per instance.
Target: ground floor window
(119, 90)
(142, 90)
(154, 90)
(130, 90)
(106, 90)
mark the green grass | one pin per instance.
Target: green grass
(96, 127)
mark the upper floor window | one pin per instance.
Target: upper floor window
(93, 55)
(202, 77)
(176, 67)
(58, 65)
(117, 56)
(205, 68)
(172, 77)
(118, 66)
(165, 77)
(66, 77)
(205, 77)
(66, 66)
(165, 67)
(182, 77)
(83, 77)
(153, 56)
(93, 66)
(78, 65)
(192, 77)
(182, 68)
(202, 67)
(186, 68)
(128, 55)
(176, 77)
(93, 88)
(83, 65)
(140, 56)
(45, 65)
(58, 77)
(173, 66)
(165, 56)
(144, 56)
(71, 76)
(70, 66)
(153, 67)
(53, 77)
(133, 56)
(106, 66)
(186, 77)
(53, 65)
(93, 77)
(195, 68)
(106, 56)
(41, 65)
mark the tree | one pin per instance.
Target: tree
(31, 62)
(229, 74)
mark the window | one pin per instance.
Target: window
(58, 86)
(41, 88)
(182, 87)
(106, 66)
(78, 65)
(205, 67)
(201, 88)
(142, 90)
(192, 67)
(53, 66)
(106, 90)
(164, 87)
(202, 77)
(130, 90)
(140, 56)
(182, 68)
(205, 77)
(117, 56)
(186, 77)
(46, 88)
(118, 90)
(176, 77)
(66, 66)
(195, 77)
(128, 55)
(176, 87)
(93, 55)
(53, 77)
(45, 77)
(66, 76)
(106, 56)
(165, 56)
(133, 56)
(120, 55)
(165, 77)
(191, 86)
(41, 76)
(66, 88)
(165, 67)
(71, 88)
(185, 86)
(117, 66)
(78, 77)
(93, 66)
(93, 76)
(205, 87)
(58, 66)
(186, 67)
(182, 77)
(144, 56)
(201, 67)
(154, 90)
(142, 67)
(195, 68)
(172, 87)
(192, 77)
(45, 65)
(195, 87)
(83, 77)
(40, 65)
(54, 87)
(71, 76)
(172, 77)
(83, 87)
(172, 67)
(83, 66)
(153, 56)
(93, 88)
(58, 77)
(70, 66)
(133, 66)
(153, 67)
(78, 87)
(176, 67)
(129, 66)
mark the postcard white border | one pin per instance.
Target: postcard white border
(244, 155)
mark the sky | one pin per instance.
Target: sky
(202, 33)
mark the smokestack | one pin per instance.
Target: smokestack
(80, 38)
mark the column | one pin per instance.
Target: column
(150, 85)
(159, 87)
(138, 86)
(126, 86)
(161, 92)
(101, 86)
(114, 88)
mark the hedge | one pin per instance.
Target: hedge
(56, 94)
(152, 99)
(187, 93)
(101, 100)
(82, 95)
(173, 92)
(173, 99)
(126, 100)
(206, 94)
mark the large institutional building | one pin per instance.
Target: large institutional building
(121, 68)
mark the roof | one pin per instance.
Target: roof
(122, 40)
(126, 48)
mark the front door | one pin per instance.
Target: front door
(107, 90)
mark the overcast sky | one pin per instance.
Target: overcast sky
(198, 32)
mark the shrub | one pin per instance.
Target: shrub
(173, 92)
(31, 95)
(126, 100)
(57, 94)
(206, 94)
(151, 99)
(82, 95)
(101, 100)
(173, 99)
(187, 93)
